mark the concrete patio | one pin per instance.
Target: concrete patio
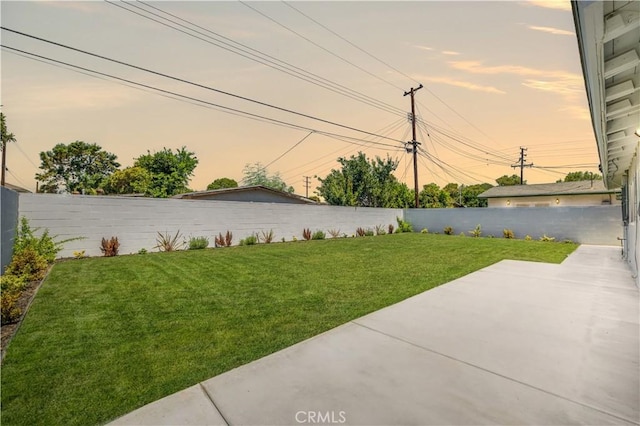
(514, 343)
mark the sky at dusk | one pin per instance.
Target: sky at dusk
(496, 76)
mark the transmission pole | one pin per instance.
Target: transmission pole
(307, 183)
(414, 142)
(521, 164)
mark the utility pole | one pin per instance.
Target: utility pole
(521, 164)
(414, 142)
(307, 184)
(4, 160)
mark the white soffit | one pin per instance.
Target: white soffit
(609, 38)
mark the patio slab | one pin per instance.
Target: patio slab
(514, 343)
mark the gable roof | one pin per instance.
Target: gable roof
(216, 192)
(561, 188)
(16, 188)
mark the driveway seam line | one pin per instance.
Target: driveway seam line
(495, 373)
(214, 404)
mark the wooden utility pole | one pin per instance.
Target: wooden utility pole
(307, 183)
(521, 164)
(414, 142)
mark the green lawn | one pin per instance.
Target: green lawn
(107, 335)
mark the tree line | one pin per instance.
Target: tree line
(81, 167)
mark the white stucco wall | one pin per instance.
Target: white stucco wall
(550, 201)
(632, 230)
(137, 221)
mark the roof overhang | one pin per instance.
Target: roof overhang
(609, 41)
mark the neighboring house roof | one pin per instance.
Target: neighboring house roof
(245, 193)
(16, 188)
(561, 188)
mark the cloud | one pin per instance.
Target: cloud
(565, 84)
(550, 4)
(551, 30)
(417, 46)
(476, 67)
(577, 111)
(463, 84)
(77, 96)
(450, 52)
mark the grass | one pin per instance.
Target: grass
(107, 335)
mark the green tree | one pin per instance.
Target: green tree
(432, 196)
(470, 195)
(222, 183)
(580, 176)
(6, 138)
(366, 183)
(170, 172)
(76, 167)
(132, 180)
(256, 174)
(505, 180)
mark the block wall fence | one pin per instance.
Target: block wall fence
(136, 221)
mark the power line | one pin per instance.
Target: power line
(350, 43)
(181, 80)
(320, 47)
(289, 150)
(259, 56)
(200, 101)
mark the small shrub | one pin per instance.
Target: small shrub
(369, 232)
(318, 235)
(28, 263)
(283, 240)
(404, 226)
(335, 233)
(110, 247)
(45, 245)
(390, 229)
(266, 237)
(9, 282)
(306, 234)
(78, 254)
(448, 230)
(9, 310)
(360, 232)
(11, 289)
(294, 239)
(547, 239)
(224, 240)
(424, 231)
(462, 234)
(508, 233)
(142, 251)
(380, 230)
(198, 243)
(567, 241)
(165, 242)
(476, 232)
(528, 238)
(490, 236)
(249, 241)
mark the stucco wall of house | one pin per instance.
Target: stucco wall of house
(8, 223)
(136, 221)
(587, 225)
(632, 230)
(550, 201)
